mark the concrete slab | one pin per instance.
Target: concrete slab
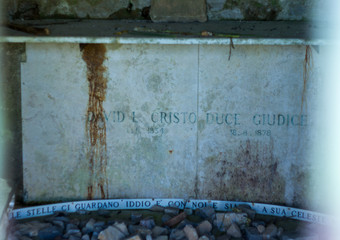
(254, 122)
(146, 32)
(167, 121)
(150, 117)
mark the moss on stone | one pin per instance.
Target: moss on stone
(124, 13)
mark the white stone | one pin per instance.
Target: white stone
(111, 233)
(170, 159)
(190, 232)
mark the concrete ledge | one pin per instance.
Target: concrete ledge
(146, 32)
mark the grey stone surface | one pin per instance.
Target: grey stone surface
(148, 223)
(178, 11)
(218, 136)
(247, 209)
(111, 233)
(261, 228)
(224, 220)
(177, 234)
(270, 232)
(206, 213)
(122, 228)
(31, 229)
(90, 224)
(137, 229)
(135, 237)
(162, 237)
(49, 233)
(234, 231)
(253, 234)
(190, 232)
(261, 9)
(158, 231)
(204, 228)
(216, 9)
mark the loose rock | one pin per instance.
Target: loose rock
(190, 232)
(223, 237)
(177, 234)
(137, 229)
(31, 229)
(204, 228)
(253, 234)
(162, 237)
(248, 210)
(157, 231)
(148, 223)
(224, 220)
(261, 228)
(111, 233)
(135, 217)
(175, 220)
(134, 237)
(49, 233)
(90, 224)
(85, 237)
(206, 213)
(122, 228)
(270, 232)
(234, 231)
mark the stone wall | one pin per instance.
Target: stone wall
(138, 9)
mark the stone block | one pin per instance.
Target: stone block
(178, 10)
(228, 126)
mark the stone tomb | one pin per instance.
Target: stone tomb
(167, 121)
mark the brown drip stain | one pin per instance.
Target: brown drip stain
(94, 56)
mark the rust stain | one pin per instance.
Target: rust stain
(89, 192)
(94, 56)
(306, 70)
(170, 151)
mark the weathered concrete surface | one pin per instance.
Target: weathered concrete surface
(178, 11)
(176, 124)
(145, 148)
(247, 147)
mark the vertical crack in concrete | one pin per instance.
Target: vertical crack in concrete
(306, 71)
(94, 57)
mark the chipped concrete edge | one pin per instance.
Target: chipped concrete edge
(145, 204)
(167, 41)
